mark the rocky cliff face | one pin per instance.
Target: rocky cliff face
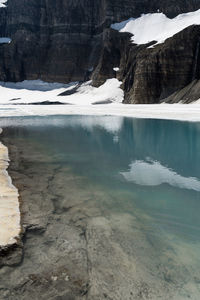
(70, 40)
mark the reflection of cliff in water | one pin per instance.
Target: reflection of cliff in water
(174, 144)
(90, 232)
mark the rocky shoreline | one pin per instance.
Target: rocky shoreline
(74, 246)
(10, 228)
(44, 277)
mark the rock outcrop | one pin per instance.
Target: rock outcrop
(69, 40)
(164, 69)
(151, 74)
(188, 94)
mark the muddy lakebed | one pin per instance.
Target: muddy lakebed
(109, 208)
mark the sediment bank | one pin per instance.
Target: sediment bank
(9, 204)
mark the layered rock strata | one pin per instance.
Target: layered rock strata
(151, 74)
(71, 41)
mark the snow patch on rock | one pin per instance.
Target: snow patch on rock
(3, 3)
(157, 26)
(5, 40)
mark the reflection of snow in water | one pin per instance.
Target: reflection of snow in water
(111, 124)
(152, 173)
(116, 139)
(155, 252)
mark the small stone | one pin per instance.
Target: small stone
(6, 293)
(67, 278)
(54, 278)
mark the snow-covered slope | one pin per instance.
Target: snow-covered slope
(156, 27)
(37, 91)
(14, 98)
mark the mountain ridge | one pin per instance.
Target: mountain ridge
(69, 41)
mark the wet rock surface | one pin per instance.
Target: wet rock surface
(52, 264)
(75, 246)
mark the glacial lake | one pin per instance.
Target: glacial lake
(146, 172)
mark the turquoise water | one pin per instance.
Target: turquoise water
(146, 168)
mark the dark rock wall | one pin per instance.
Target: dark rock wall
(150, 75)
(51, 40)
(168, 67)
(66, 40)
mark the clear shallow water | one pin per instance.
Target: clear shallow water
(149, 169)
